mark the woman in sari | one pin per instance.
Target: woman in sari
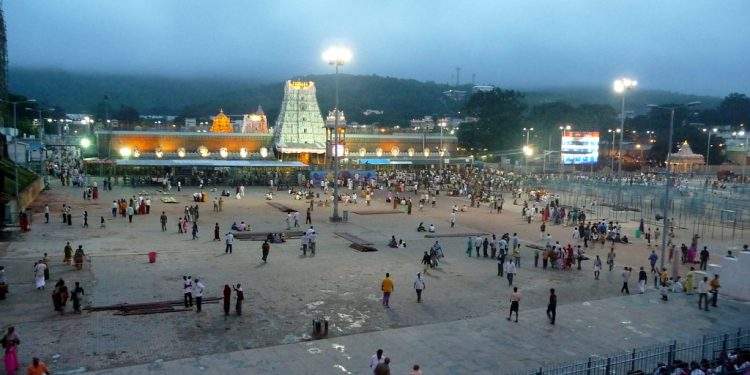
(10, 343)
(39, 280)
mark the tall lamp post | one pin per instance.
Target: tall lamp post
(622, 86)
(612, 148)
(740, 134)
(526, 149)
(336, 56)
(667, 186)
(708, 144)
(15, 141)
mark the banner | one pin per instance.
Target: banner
(579, 147)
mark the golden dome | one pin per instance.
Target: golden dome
(221, 123)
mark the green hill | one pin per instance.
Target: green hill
(399, 99)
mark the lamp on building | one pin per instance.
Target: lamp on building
(243, 152)
(159, 153)
(426, 152)
(346, 151)
(395, 151)
(379, 152)
(85, 143)
(125, 152)
(442, 152)
(203, 151)
(362, 152)
(224, 152)
(263, 152)
(181, 152)
(136, 153)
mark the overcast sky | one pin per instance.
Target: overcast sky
(695, 46)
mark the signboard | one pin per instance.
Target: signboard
(580, 147)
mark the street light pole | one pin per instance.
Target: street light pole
(336, 56)
(708, 146)
(667, 187)
(622, 86)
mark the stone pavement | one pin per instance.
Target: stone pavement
(485, 345)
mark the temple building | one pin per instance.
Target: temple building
(299, 132)
(255, 122)
(221, 123)
(685, 159)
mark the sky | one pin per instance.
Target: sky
(690, 46)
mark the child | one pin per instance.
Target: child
(663, 289)
(101, 222)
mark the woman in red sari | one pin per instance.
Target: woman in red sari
(10, 343)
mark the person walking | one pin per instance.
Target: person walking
(130, 211)
(597, 267)
(240, 296)
(163, 220)
(625, 278)
(419, 285)
(515, 300)
(387, 287)
(308, 216)
(195, 230)
(37, 367)
(383, 368)
(703, 293)
(611, 258)
(265, 248)
(703, 258)
(227, 299)
(216, 232)
(187, 291)
(510, 271)
(552, 306)
(652, 260)
(229, 240)
(714, 289)
(10, 342)
(75, 296)
(198, 289)
(642, 281)
(376, 359)
(46, 214)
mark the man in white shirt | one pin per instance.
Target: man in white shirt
(198, 289)
(703, 293)
(510, 270)
(376, 359)
(187, 290)
(229, 239)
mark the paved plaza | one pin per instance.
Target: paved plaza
(458, 328)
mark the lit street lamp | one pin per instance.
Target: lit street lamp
(622, 86)
(336, 56)
(527, 151)
(708, 144)
(742, 133)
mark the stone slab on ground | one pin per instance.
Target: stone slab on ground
(489, 344)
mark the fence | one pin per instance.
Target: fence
(711, 214)
(646, 359)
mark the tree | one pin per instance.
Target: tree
(500, 113)
(127, 115)
(735, 109)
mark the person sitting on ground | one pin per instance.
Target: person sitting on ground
(392, 243)
(431, 228)
(242, 227)
(234, 226)
(269, 196)
(421, 227)
(401, 243)
(729, 254)
(624, 239)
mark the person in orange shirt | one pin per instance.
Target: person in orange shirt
(37, 367)
(387, 287)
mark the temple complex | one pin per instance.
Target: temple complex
(300, 139)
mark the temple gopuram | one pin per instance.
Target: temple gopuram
(300, 139)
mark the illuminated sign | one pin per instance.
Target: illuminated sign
(580, 147)
(300, 85)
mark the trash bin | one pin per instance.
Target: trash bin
(152, 257)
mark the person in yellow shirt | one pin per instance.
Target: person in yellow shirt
(387, 287)
(714, 289)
